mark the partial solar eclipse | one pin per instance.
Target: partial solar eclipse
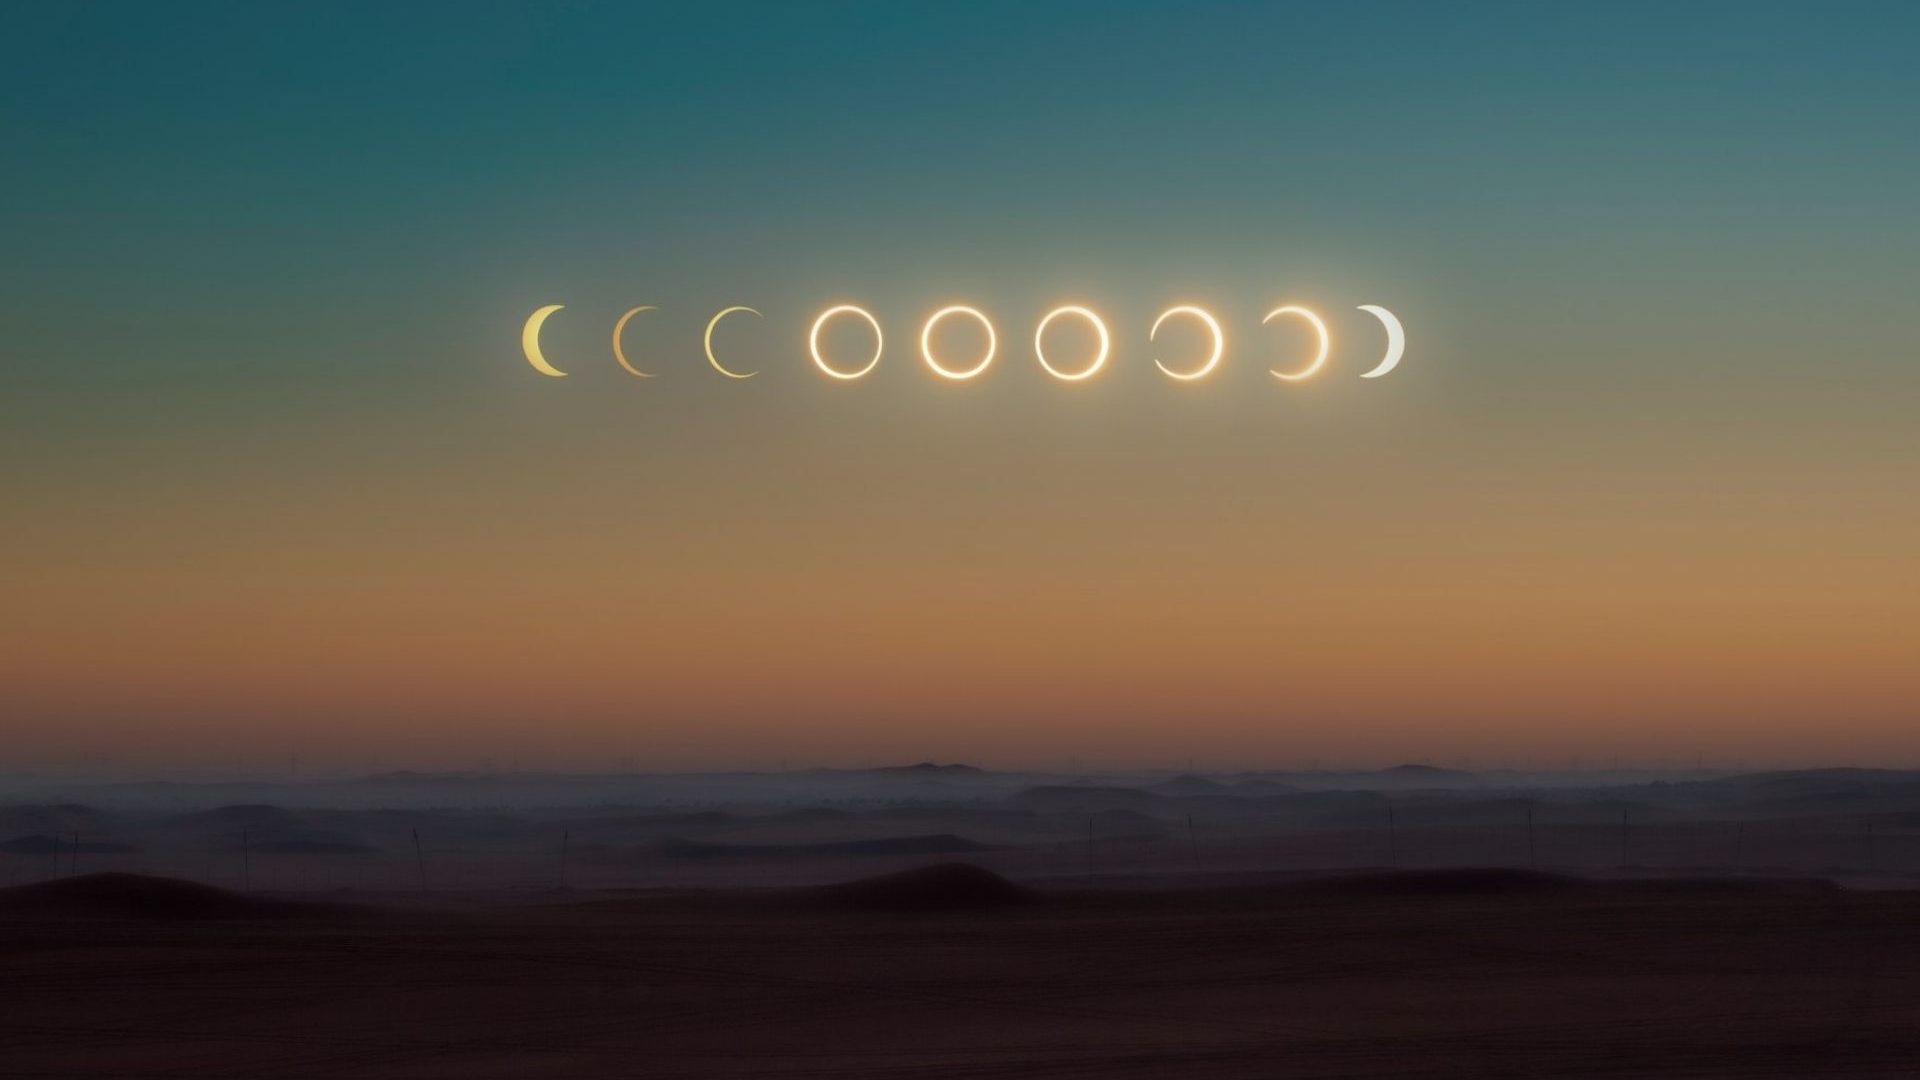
(619, 353)
(530, 341)
(707, 341)
(1396, 343)
(1219, 342)
(1319, 328)
(1396, 340)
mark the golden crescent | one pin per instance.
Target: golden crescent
(1320, 328)
(708, 339)
(1099, 326)
(813, 341)
(530, 341)
(621, 354)
(926, 342)
(1219, 342)
(1396, 340)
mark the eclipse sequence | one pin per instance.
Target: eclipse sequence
(962, 368)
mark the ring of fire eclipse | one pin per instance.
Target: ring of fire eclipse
(1093, 320)
(926, 342)
(813, 341)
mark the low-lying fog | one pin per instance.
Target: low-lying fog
(466, 832)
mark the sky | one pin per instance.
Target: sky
(279, 481)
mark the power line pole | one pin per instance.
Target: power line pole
(420, 859)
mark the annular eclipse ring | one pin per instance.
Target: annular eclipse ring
(813, 341)
(1039, 349)
(926, 342)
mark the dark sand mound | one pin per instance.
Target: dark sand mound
(136, 896)
(1468, 881)
(944, 887)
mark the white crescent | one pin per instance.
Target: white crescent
(1396, 340)
(1319, 328)
(708, 339)
(619, 353)
(530, 341)
(1219, 342)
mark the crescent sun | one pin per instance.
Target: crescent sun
(1319, 329)
(619, 353)
(1213, 327)
(530, 341)
(1396, 340)
(708, 340)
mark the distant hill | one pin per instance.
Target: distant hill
(1062, 797)
(929, 770)
(1427, 774)
(62, 819)
(311, 846)
(931, 844)
(256, 816)
(41, 844)
(1191, 785)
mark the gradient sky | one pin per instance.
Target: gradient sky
(1647, 485)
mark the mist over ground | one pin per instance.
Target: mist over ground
(531, 832)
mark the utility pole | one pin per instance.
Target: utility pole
(420, 859)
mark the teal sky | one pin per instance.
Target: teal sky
(265, 266)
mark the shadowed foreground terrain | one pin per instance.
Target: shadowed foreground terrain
(952, 971)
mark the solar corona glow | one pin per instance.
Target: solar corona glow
(1061, 368)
